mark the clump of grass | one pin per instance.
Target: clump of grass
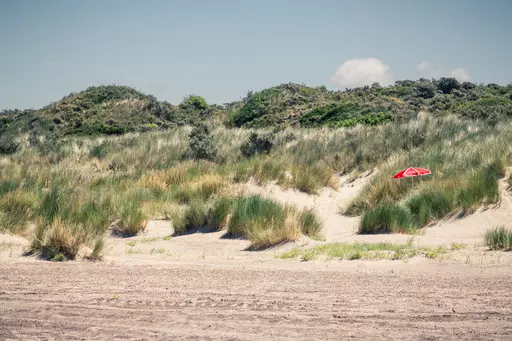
(264, 234)
(16, 210)
(310, 224)
(434, 253)
(457, 246)
(132, 219)
(481, 187)
(203, 189)
(194, 216)
(381, 190)
(218, 215)
(305, 180)
(431, 203)
(310, 179)
(386, 218)
(175, 176)
(159, 250)
(57, 241)
(94, 215)
(266, 223)
(99, 245)
(499, 238)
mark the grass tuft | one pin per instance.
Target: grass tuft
(499, 238)
(386, 218)
(310, 224)
(57, 241)
(132, 219)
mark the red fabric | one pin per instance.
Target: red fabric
(412, 171)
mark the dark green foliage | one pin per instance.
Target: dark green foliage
(425, 90)
(100, 151)
(114, 110)
(200, 144)
(344, 115)
(194, 102)
(8, 145)
(257, 144)
(256, 106)
(7, 186)
(447, 84)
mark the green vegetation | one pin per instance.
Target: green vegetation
(499, 238)
(367, 251)
(110, 158)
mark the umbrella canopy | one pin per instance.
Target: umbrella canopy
(411, 171)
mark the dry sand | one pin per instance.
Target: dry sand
(203, 287)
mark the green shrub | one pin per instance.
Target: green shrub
(257, 106)
(499, 238)
(386, 218)
(100, 151)
(8, 145)
(194, 102)
(257, 144)
(200, 144)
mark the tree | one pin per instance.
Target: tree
(425, 90)
(447, 84)
(194, 102)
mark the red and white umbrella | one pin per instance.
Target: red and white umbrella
(411, 172)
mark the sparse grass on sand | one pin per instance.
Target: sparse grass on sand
(499, 238)
(367, 251)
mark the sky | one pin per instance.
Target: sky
(222, 49)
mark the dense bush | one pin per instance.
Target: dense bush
(447, 84)
(194, 102)
(8, 145)
(200, 144)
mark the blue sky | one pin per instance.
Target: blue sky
(221, 49)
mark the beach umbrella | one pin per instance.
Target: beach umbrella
(411, 172)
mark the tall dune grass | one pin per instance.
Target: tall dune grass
(86, 184)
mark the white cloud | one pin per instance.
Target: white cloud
(362, 71)
(427, 69)
(461, 75)
(423, 66)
